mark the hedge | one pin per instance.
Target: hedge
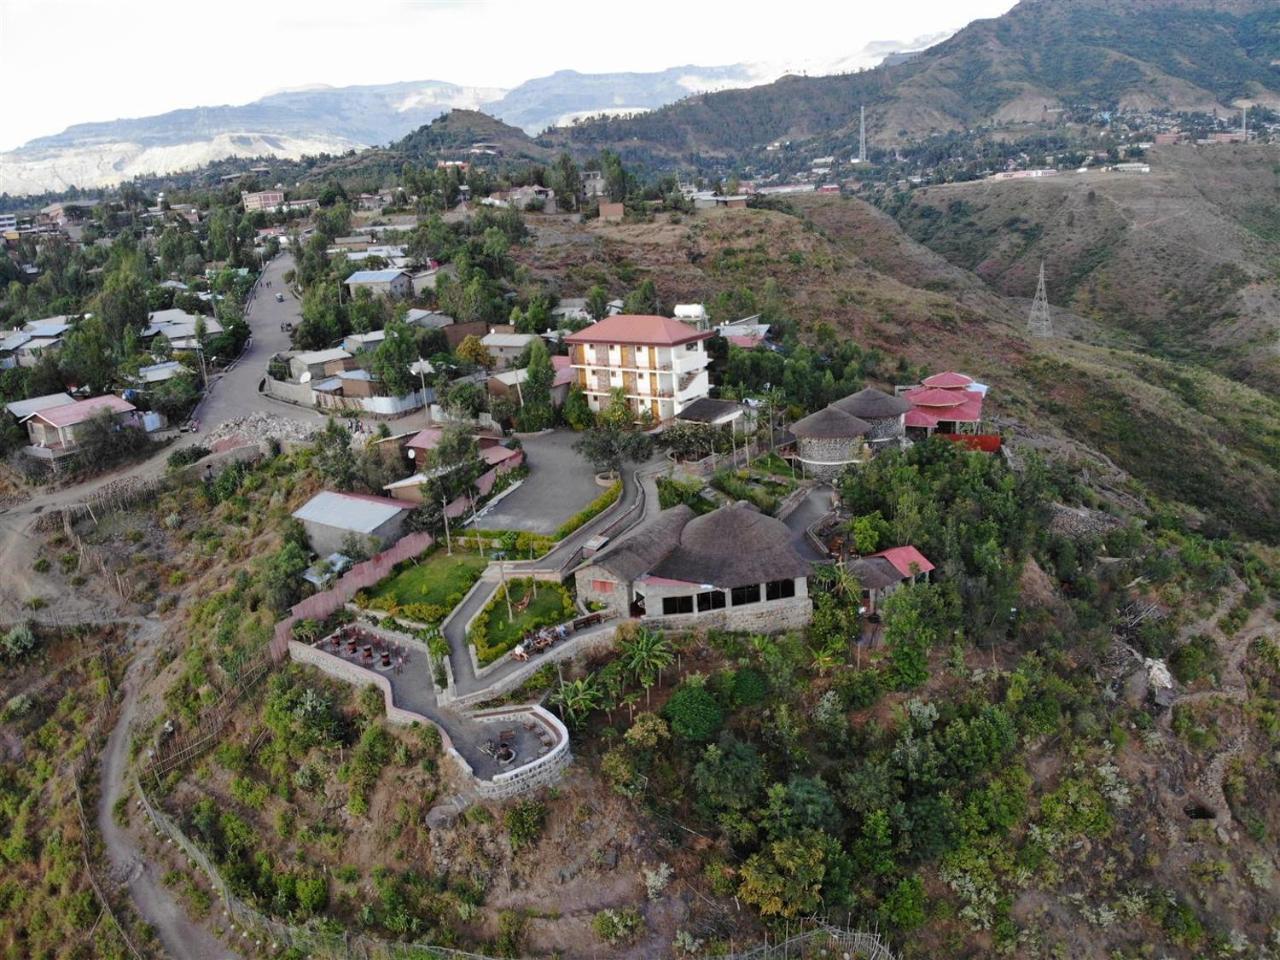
(591, 510)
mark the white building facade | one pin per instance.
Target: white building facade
(660, 364)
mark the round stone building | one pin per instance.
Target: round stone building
(829, 441)
(884, 414)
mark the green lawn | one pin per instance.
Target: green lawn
(493, 634)
(438, 580)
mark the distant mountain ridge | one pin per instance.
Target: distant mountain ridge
(1192, 55)
(309, 121)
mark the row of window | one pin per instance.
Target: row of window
(738, 597)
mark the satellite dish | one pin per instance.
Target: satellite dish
(305, 378)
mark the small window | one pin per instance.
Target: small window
(742, 596)
(711, 600)
(779, 589)
(692, 347)
(603, 586)
(675, 605)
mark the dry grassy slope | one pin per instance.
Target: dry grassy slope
(1185, 434)
(1183, 258)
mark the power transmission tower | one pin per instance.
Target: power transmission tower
(862, 134)
(1041, 323)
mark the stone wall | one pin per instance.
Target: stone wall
(825, 458)
(886, 428)
(616, 601)
(543, 771)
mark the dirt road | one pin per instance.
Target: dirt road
(182, 939)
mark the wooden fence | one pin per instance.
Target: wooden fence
(184, 747)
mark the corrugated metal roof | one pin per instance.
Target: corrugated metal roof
(356, 512)
(22, 409)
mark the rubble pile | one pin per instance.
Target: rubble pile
(261, 426)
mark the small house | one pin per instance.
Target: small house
(332, 520)
(506, 348)
(59, 429)
(882, 574)
(318, 364)
(382, 283)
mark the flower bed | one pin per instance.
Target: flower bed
(590, 511)
(493, 634)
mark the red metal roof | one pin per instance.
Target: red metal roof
(920, 418)
(935, 397)
(426, 439)
(639, 329)
(745, 341)
(903, 559)
(70, 414)
(948, 381)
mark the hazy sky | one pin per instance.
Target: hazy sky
(86, 60)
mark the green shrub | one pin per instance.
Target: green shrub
(616, 927)
(41, 565)
(694, 713)
(1194, 659)
(18, 641)
(524, 821)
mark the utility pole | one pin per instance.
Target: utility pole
(444, 510)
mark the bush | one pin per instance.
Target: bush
(694, 713)
(615, 927)
(590, 511)
(1194, 659)
(187, 455)
(525, 820)
(19, 641)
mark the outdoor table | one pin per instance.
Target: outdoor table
(368, 651)
(386, 658)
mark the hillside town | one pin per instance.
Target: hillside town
(831, 517)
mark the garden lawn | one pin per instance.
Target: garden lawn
(493, 634)
(435, 580)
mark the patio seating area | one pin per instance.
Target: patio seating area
(537, 641)
(367, 646)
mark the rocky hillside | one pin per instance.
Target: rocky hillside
(1150, 427)
(1179, 261)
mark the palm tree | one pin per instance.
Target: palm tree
(576, 699)
(646, 655)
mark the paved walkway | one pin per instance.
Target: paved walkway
(815, 506)
(638, 502)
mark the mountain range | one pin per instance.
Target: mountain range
(1026, 66)
(334, 120)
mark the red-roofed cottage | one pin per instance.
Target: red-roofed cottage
(660, 364)
(880, 574)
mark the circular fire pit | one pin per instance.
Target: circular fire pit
(505, 753)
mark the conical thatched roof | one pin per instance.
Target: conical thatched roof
(872, 404)
(830, 424)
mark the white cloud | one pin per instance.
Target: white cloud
(89, 60)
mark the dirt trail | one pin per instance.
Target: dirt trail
(181, 938)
